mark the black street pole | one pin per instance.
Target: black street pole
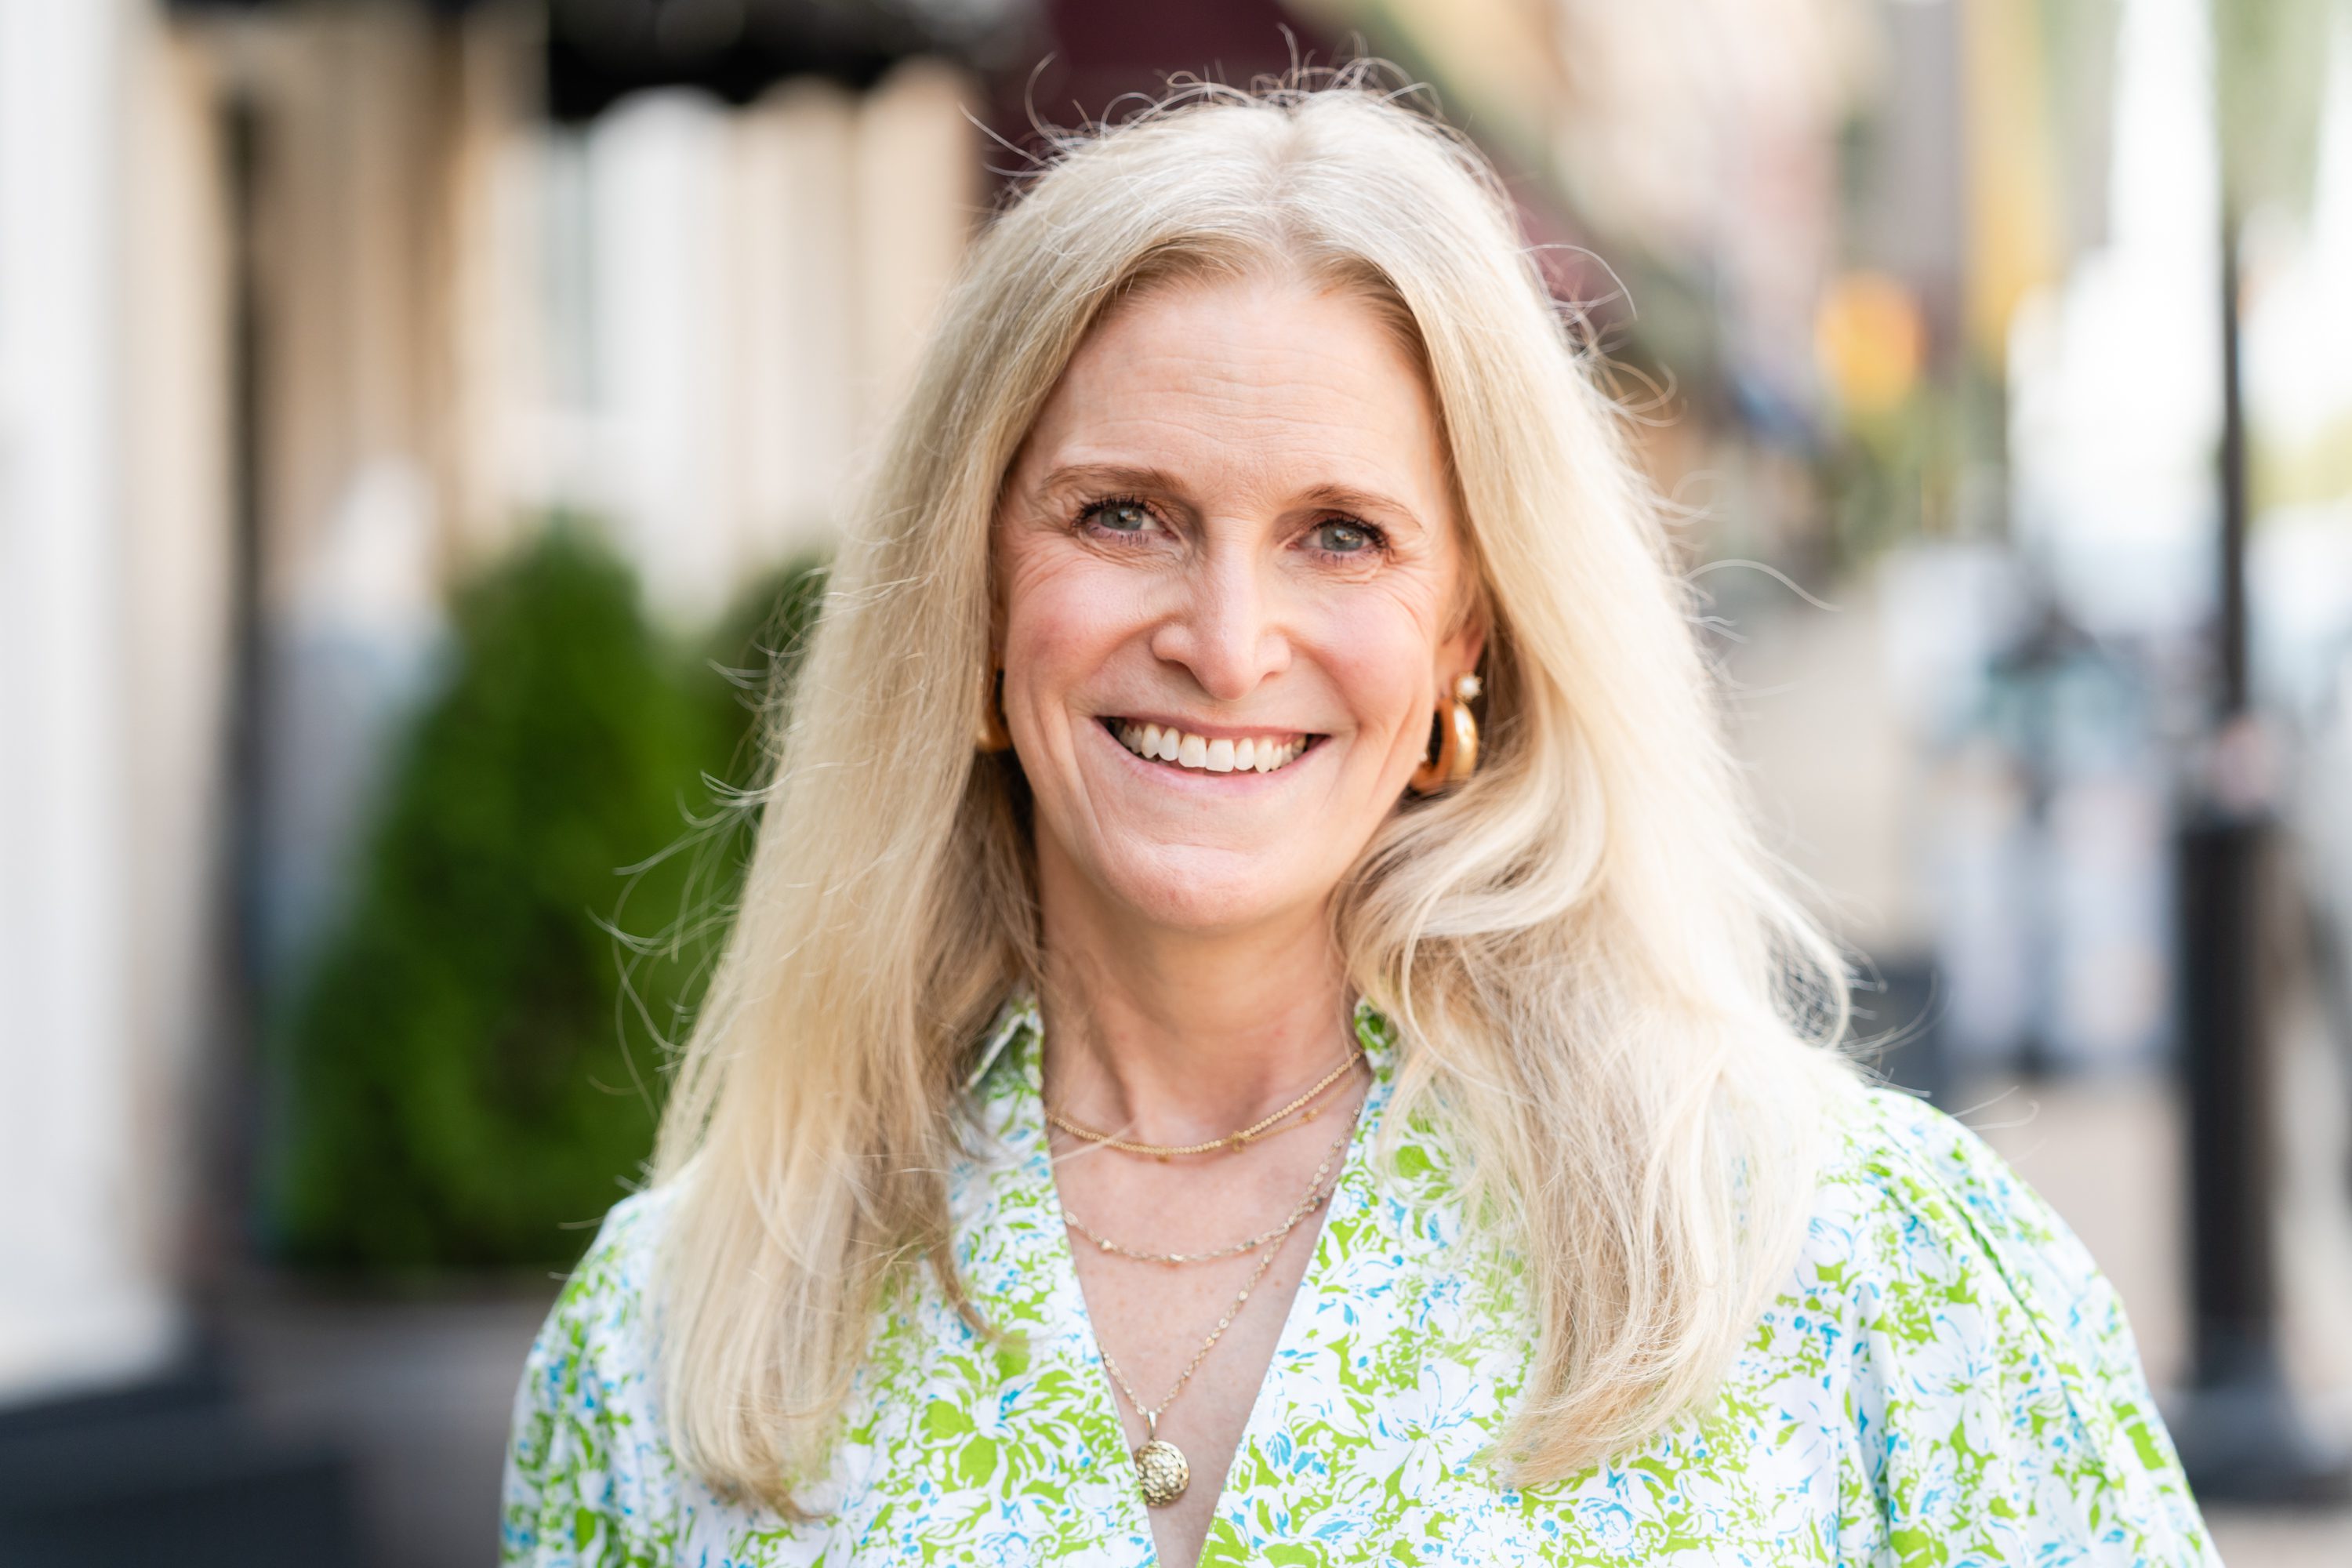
(2236, 696)
(2237, 1426)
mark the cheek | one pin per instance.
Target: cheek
(1064, 613)
(1378, 661)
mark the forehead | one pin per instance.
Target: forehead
(1262, 381)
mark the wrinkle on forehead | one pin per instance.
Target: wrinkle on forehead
(1247, 372)
(1312, 409)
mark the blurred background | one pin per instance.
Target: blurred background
(422, 424)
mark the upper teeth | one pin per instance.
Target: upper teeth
(1190, 751)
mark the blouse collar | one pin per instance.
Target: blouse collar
(1019, 1030)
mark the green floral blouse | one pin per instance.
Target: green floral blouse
(1946, 1379)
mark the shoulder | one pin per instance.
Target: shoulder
(1980, 1361)
(585, 1451)
(1937, 1252)
(1913, 1188)
(621, 1261)
(608, 1306)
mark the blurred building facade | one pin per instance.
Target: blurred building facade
(308, 311)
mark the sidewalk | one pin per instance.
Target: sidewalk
(416, 1394)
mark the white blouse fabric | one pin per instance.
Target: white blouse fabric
(1946, 1379)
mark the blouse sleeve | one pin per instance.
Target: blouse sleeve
(572, 1497)
(1999, 1411)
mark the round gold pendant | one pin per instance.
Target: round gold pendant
(1160, 1466)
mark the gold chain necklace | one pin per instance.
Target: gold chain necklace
(1161, 1470)
(1231, 1142)
(1298, 1212)
(1159, 1465)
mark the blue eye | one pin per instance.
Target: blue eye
(1341, 537)
(1121, 516)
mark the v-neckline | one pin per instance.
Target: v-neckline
(1020, 1036)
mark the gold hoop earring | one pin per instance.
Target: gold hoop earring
(1457, 741)
(990, 736)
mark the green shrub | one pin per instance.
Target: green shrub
(471, 1074)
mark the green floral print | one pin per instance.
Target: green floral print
(1946, 1379)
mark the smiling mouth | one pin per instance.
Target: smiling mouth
(1198, 753)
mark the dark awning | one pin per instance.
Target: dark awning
(599, 51)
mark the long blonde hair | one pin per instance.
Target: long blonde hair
(1602, 990)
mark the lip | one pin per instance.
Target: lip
(1169, 776)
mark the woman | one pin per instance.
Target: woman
(1256, 1031)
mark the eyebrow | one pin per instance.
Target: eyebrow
(1151, 480)
(1109, 477)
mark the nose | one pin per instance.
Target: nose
(1227, 630)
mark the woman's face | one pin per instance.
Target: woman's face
(1233, 589)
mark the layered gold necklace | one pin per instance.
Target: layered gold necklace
(1161, 1469)
(1230, 1143)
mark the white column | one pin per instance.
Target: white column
(82, 1294)
(496, 323)
(795, 284)
(174, 586)
(917, 201)
(2112, 424)
(657, 178)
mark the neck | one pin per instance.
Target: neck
(1178, 1036)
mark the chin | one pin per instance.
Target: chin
(1192, 891)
